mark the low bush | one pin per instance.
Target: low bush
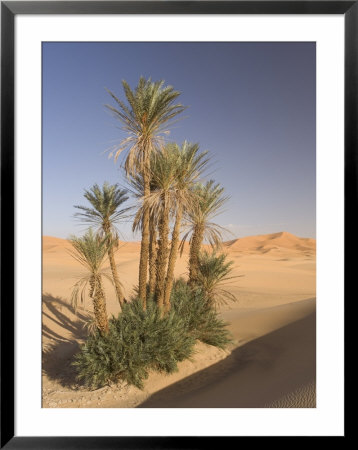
(201, 318)
(141, 340)
(138, 340)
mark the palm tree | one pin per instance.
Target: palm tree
(105, 214)
(174, 172)
(190, 165)
(161, 204)
(91, 250)
(137, 189)
(208, 204)
(213, 275)
(146, 118)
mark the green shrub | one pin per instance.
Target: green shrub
(137, 341)
(141, 340)
(201, 319)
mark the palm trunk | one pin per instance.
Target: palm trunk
(195, 247)
(92, 286)
(117, 284)
(162, 254)
(99, 304)
(152, 257)
(173, 257)
(144, 248)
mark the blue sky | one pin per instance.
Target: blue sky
(251, 105)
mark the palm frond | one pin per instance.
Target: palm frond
(208, 202)
(174, 170)
(90, 325)
(147, 116)
(106, 211)
(78, 292)
(213, 275)
(90, 250)
(80, 288)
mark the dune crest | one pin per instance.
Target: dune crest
(251, 244)
(275, 241)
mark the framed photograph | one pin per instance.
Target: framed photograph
(178, 195)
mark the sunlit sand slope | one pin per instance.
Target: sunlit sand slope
(270, 364)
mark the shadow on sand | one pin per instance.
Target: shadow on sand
(58, 356)
(266, 370)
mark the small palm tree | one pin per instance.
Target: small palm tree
(147, 116)
(208, 204)
(91, 251)
(105, 214)
(213, 275)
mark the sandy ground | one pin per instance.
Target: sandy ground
(270, 364)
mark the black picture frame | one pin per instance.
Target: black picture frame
(9, 10)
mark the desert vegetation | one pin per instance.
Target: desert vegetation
(173, 204)
(143, 251)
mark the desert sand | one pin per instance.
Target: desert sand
(271, 363)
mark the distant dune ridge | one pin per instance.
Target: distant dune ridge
(268, 242)
(50, 244)
(272, 323)
(253, 244)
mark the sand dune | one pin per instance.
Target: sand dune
(275, 293)
(277, 241)
(283, 239)
(259, 374)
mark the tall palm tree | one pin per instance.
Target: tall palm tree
(190, 165)
(146, 117)
(137, 189)
(208, 204)
(105, 214)
(161, 205)
(91, 250)
(174, 172)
